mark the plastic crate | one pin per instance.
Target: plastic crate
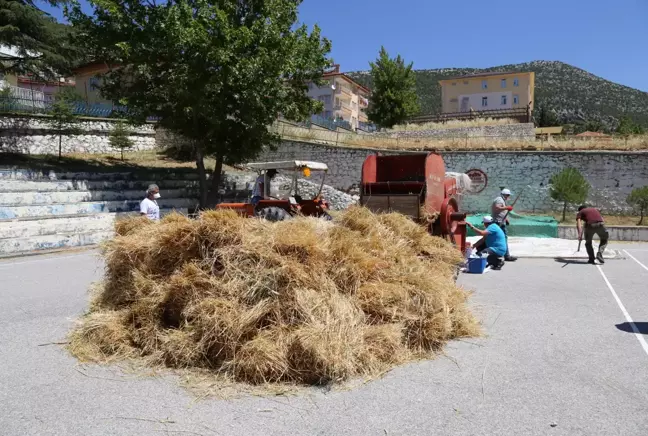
(476, 265)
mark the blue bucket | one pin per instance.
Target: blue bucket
(477, 265)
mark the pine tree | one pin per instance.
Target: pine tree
(64, 120)
(119, 138)
(569, 187)
(34, 42)
(393, 98)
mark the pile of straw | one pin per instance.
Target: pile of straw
(301, 301)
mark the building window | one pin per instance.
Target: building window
(484, 84)
(503, 83)
(516, 82)
(337, 102)
(516, 99)
(503, 100)
(328, 114)
(94, 82)
(484, 101)
(326, 99)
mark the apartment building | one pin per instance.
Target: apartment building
(488, 91)
(343, 98)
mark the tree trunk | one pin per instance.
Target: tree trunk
(60, 146)
(202, 177)
(122, 154)
(212, 199)
(564, 211)
(641, 217)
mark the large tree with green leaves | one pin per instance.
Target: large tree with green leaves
(34, 43)
(393, 96)
(216, 72)
(569, 187)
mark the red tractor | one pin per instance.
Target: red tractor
(415, 185)
(278, 209)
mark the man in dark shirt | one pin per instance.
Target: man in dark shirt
(593, 226)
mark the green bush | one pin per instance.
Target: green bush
(569, 187)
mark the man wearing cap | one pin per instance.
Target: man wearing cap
(493, 242)
(499, 209)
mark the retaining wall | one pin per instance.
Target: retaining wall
(617, 233)
(521, 131)
(34, 135)
(612, 175)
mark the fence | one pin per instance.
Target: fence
(523, 115)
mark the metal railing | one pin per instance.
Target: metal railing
(523, 115)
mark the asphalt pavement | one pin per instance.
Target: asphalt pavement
(564, 353)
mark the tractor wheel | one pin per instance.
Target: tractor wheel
(273, 214)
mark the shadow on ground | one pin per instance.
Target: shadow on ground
(566, 261)
(642, 327)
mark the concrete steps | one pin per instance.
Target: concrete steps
(66, 197)
(41, 211)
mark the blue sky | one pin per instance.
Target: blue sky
(608, 38)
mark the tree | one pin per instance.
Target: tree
(34, 43)
(639, 199)
(393, 97)
(568, 186)
(628, 127)
(545, 117)
(64, 120)
(119, 137)
(216, 72)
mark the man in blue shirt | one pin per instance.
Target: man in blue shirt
(493, 242)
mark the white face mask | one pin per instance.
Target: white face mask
(156, 196)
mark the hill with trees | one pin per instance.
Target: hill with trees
(573, 95)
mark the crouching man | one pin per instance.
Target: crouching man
(493, 242)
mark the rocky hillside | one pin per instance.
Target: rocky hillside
(573, 94)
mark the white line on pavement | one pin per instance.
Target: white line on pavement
(42, 259)
(635, 259)
(633, 326)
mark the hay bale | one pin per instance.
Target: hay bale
(299, 301)
(127, 225)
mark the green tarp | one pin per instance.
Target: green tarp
(522, 226)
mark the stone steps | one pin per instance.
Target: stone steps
(65, 224)
(65, 197)
(90, 207)
(17, 246)
(41, 211)
(15, 185)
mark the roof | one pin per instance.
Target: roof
(348, 79)
(289, 165)
(486, 74)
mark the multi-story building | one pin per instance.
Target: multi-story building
(343, 98)
(488, 91)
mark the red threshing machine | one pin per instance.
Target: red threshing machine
(415, 185)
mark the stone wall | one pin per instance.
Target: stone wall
(611, 174)
(33, 135)
(521, 131)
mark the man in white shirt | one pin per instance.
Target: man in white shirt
(149, 206)
(499, 211)
(259, 188)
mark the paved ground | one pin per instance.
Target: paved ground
(559, 358)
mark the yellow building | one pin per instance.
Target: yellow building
(87, 78)
(488, 91)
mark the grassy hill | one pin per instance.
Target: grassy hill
(572, 93)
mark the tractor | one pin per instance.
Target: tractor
(415, 185)
(292, 204)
